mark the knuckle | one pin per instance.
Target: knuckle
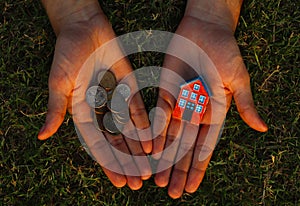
(137, 112)
(172, 138)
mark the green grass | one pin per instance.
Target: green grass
(247, 168)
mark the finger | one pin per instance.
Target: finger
(164, 102)
(118, 180)
(244, 101)
(161, 178)
(100, 149)
(126, 161)
(141, 121)
(166, 162)
(170, 81)
(57, 106)
(138, 113)
(137, 152)
(206, 141)
(179, 176)
(184, 158)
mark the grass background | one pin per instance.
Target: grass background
(247, 168)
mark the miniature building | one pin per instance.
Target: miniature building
(192, 101)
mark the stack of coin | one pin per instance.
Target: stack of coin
(109, 101)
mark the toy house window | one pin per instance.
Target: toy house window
(181, 103)
(201, 99)
(196, 87)
(185, 93)
(193, 96)
(198, 109)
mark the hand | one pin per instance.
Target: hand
(82, 30)
(191, 141)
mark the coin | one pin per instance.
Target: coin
(96, 96)
(101, 110)
(107, 80)
(117, 104)
(109, 124)
(110, 94)
(122, 117)
(124, 90)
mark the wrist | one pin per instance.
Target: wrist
(221, 12)
(63, 13)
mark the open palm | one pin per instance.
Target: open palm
(76, 43)
(220, 46)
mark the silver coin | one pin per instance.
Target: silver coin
(96, 96)
(124, 90)
(109, 123)
(121, 117)
(101, 110)
(117, 104)
(99, 114)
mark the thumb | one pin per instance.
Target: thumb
(59, 89)
(57, 106)
(244, 101)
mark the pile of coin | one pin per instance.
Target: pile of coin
(109, 101)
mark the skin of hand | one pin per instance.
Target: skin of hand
(211, 25)
(81, 27)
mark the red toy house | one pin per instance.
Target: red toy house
(192, 101)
